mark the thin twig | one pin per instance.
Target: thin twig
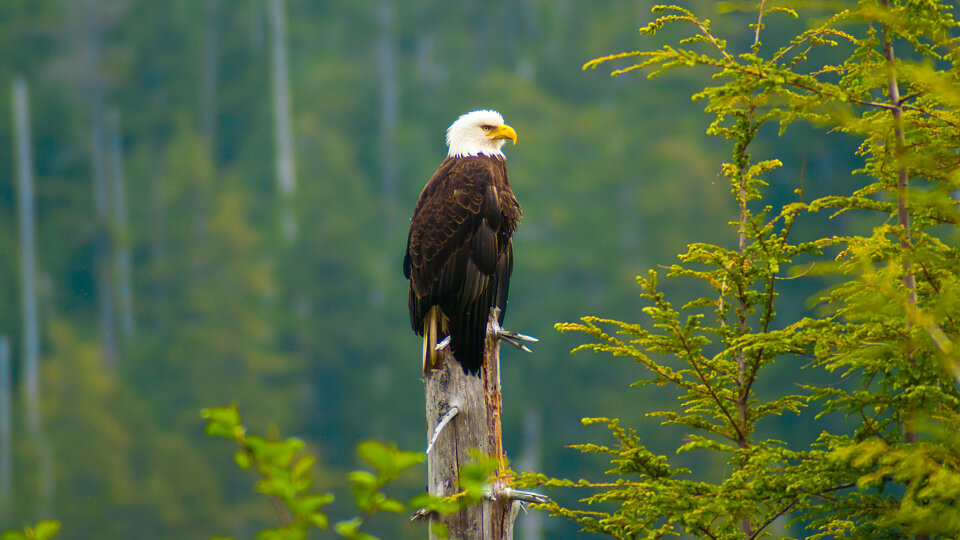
(707, 532)
(741, 436)
(783, 511)
(280, 510)
(756, 36)
(930, 114)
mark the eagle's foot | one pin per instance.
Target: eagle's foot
(492, 493)
(516, 339)
(513, 338)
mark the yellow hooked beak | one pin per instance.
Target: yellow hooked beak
(503, 132)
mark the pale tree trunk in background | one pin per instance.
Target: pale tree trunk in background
(120, 227)
(430, 66)
(83, 34)
(158, 238)
(31, 337)
(389, 108)
(6, 488)
(286, 174)
(257, 24)
(105, 300)
(430, 73)
(529, 29)
(531, 524)
(31, 332)
(208, 78)
(389, 96)
(558, 29)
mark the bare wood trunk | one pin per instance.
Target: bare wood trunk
(6, 489)
(102, 245)
(531, 528)
(208, 77)
(447, 388)
(31, 338)
(476, 427)
(31, 323)
(286, 174)
(121, 230)
(389, 108)
(500, 508)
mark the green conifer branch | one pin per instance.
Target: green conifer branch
(887, 324)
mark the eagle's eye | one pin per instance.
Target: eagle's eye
(486, 127)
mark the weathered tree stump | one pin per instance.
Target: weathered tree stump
(446, 389)
(472, 405)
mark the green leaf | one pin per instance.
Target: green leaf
(276, 453)
(378, 455)
(13, 535)
(431, 502)
(285, 533)
(319, 520)
(363, 479)
(364, 486)
(309, 504)
(302, 466)
(45, 529)
(217, 429)
(348, 528)
(351, 529)
(243, 459)
(474, 477)
(391, 505)
(439, 529)
(405, 460)
(228, 416)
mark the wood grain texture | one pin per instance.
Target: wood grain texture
(445, 388)
(476, 427)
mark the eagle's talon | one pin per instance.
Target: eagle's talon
(515, 339)
(511, 337)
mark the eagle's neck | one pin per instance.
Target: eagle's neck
(468, 153)
(464, 145)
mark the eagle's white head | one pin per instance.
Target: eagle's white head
(479, 132)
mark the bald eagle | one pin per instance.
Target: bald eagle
(459, 250)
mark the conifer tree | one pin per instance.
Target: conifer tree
(886, 329)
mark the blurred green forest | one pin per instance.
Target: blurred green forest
(294, 305)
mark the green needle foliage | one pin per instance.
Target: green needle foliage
(886, 329)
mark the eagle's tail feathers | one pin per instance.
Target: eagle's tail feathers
(431, 358)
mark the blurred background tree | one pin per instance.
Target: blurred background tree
(310, 331)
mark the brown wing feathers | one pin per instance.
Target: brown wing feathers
(459, 253)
